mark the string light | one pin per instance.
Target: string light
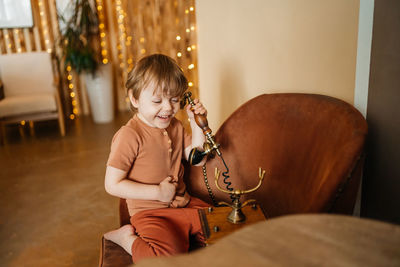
(72, 93)
(7, 41)
(45, 31)
(188, 29)
(193, 46)
(124, 40)
(122, 34)
(17, 41)
(103, 40)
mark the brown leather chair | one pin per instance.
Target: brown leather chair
(311, 147)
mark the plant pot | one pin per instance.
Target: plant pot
(99, 89)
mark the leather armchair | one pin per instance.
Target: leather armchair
(311, 147)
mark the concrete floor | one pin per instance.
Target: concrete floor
(54, 208)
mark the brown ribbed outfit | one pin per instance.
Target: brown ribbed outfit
(149, 155)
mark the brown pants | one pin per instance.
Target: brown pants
(164, 232)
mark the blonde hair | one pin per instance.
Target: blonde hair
(160, 69)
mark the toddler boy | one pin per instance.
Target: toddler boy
(144, 166)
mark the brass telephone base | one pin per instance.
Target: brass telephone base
(236, 216)
(215, 225)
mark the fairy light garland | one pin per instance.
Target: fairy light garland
(7, 41)
(189, 31)
(130, 62)
(123, 40)
(102, 30)
(17, 40)
(72, 93)
(130, 58)
(122, 35)
(45, 31)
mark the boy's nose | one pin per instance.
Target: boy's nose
(167, 105)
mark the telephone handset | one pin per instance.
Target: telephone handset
(196, 156)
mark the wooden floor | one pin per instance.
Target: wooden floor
(54, 208)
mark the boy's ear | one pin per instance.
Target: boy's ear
(134, 101)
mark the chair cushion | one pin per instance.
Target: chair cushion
(26, 73)
(24, 104)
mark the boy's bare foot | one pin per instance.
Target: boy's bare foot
(123, 236)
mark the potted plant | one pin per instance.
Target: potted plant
(80, 49)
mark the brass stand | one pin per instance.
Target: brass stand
(236, 216)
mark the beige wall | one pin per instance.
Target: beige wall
(247, 48)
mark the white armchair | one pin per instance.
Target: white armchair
(30, 90)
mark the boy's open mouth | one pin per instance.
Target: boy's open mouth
(164, 117)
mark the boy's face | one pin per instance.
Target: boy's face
(154, 108)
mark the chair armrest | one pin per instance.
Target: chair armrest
(112, 255)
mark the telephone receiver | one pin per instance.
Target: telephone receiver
(196, 155)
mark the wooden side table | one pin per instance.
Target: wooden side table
(215, 224)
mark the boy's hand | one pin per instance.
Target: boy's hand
(180, 201)
(167, 189)
(198, 109)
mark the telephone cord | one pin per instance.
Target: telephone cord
(225, 180)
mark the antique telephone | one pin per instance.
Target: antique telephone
(210, 147)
